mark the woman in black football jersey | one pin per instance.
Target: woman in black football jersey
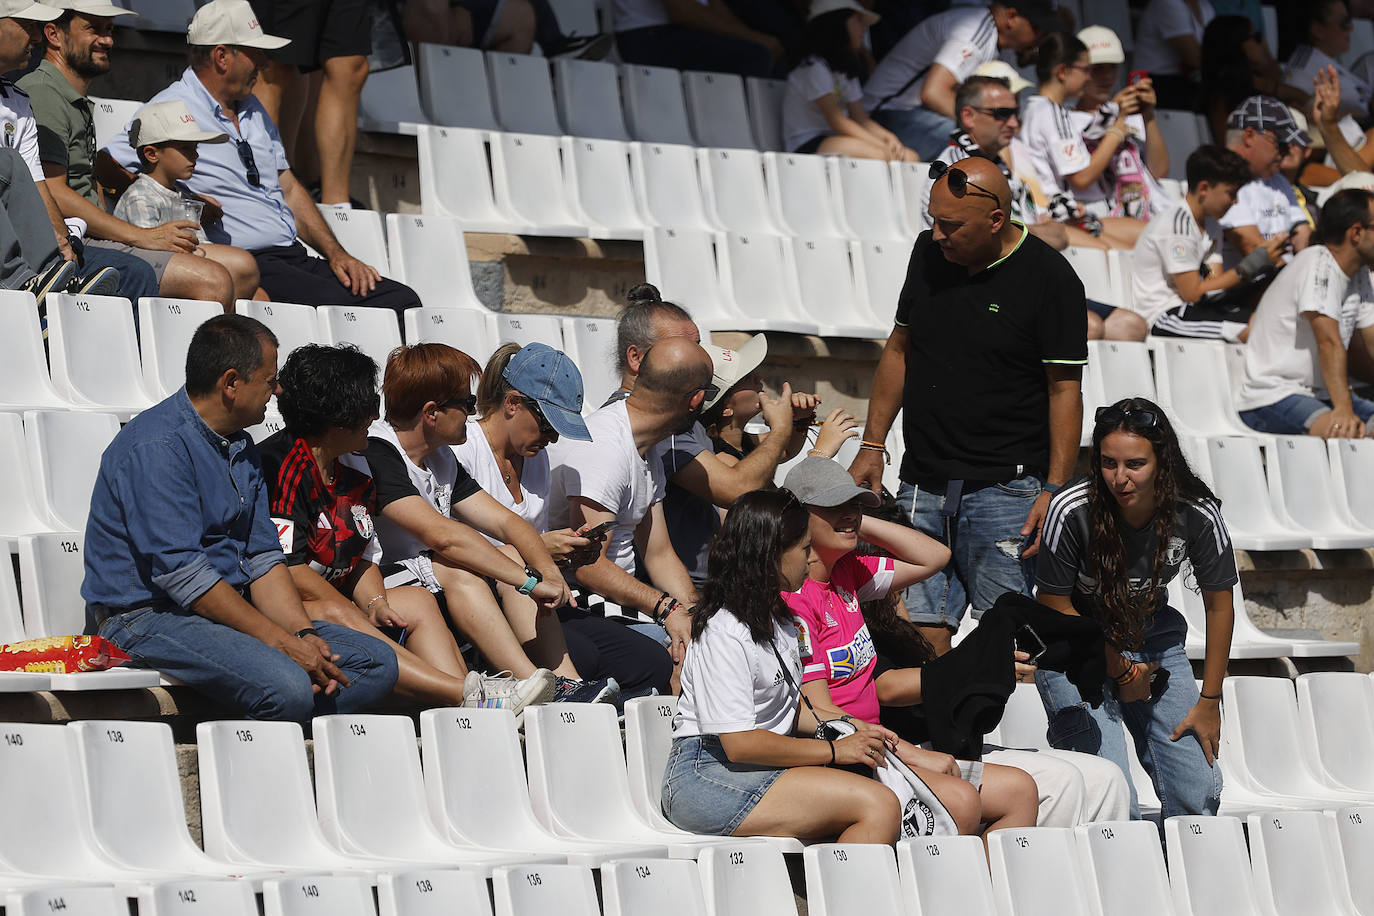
(1112, 542)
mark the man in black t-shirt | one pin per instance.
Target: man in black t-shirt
(985, 361)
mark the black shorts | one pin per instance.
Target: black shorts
(1102, 309)
(810, 146)
(318, 29)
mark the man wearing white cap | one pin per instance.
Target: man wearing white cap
(267, 211)
(151, 262)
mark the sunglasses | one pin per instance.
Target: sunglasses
(545, 427)
(711, 391)
(1134, 417)
(466, 403)
(958, 180)
(249, 163)
(998, 114)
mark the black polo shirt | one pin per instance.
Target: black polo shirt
(976, 400)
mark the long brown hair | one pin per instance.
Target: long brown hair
(900, 639)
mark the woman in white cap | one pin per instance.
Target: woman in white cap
(822, 111)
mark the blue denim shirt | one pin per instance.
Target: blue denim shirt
(176, 508)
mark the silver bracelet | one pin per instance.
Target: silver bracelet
(368, 609)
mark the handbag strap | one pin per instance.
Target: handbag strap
(787, 676)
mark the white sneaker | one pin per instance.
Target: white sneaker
(501, 691)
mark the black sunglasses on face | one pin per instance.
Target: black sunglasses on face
(958, 180)
(1135, 417)
(466, 403)
(998, 114)
(545, 427)
(249, 163)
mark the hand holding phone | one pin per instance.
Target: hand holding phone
(1136, 76)
(597, 532)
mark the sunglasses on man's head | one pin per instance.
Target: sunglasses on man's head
(1134, 417)
(959, 182)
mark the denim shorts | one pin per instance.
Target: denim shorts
(703, 792)
(1294, 415)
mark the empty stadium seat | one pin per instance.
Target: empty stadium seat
(747, 879)
(94, 353)
(799, 195)
(523, 93)
(374, 331)
(1120, 265)
(631, 887)
(64, 459)
(908, 183)
(455, 180)
(850, 879)
(441, 68)
(68, 900)
(717, 111)
(1296, 863)
(23, 362)
(539, 890)
(22, 510)
(1122, 868)
(429, 254)
(1181, 136)
(765, 111)
(732, 181)
(599, 188)
(828, 291)
(578, 783)
(755, 275)
(667, 187)
(655, 109)
(867, 198)
(1035, 871)
(360, 233)
(165, 329)
(463, 329)
(588, 96)
(197, 897)
(1300, 487)
(945, 874)
(1355, 829)
(436, 892)
(1091, 266)
(591, 344)
(349, 753)
(527, 175)
(682, 264)
(1208, 869)
(111, 116)
(1190, 604)
(1122, 369)
(390, 102)
(526, 329)
(317, 895)
(1336, 715)
(880, 272)
(294, 325)
(1239, 481)
(1352, 467)
(475, 782)
(12, 630)
(648, 739)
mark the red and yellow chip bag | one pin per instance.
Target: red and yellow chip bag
(61, 655)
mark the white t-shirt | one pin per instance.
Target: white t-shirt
(1281, 355)
(18, 129)
(1101, 196)
(1303, 65)
(732, 684)
(958, 40)
(1054, 145)
(1269, 204)
(480, 461)
(1172, 243)
(1022, 206)
(807, 83)
(639, 14)
(609, 472)
(1162, 20)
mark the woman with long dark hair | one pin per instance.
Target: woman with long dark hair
(738, 765)
(1111, 543)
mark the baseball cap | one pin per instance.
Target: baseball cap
(1361, 180)
(230, 22)
(823, 482)
(540, 372)
(729, 366)
(93, 8)
(1104, 47)
(1041, 14)
(25, 9)
(1264, 112)
(1300, 119)
(159, 122)
(1000, 69)
(821, 7)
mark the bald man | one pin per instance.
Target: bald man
(984, 360)
(610, 480)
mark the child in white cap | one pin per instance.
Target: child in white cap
(165, 137)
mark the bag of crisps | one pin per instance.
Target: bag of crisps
(61, 655)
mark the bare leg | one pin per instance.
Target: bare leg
(1010, 798)
(474, 611)
(541, 635)
(836, 145)
(1124, 324)
(1121, 231)
(336, 124)
(243, 269)
(191, 277)
(1095, 331)
(281, 90)
(1080, 238)
(513, 33)
(813, 802)
(435, 21)
(427, 632)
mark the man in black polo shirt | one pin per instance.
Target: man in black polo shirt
(984, 361)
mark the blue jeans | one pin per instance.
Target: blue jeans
(985, 542)
(1183, 780)
(241, 671)
(1294, 415)
(925, 131)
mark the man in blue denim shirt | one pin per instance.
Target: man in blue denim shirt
(184, 570)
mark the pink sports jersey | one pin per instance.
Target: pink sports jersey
(835, 640)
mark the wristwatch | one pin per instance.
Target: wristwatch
(308, 631)
(533, 580)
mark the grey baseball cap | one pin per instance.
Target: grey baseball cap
(823, 482)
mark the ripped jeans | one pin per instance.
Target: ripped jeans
(985, 542)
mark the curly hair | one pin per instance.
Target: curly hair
(743, 576)
(1123, 613)
(324, 387)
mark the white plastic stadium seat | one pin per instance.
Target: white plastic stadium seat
(655, 108)
(880, 272)
(64, 459)
(165, 327)
(429, 255)
(462, 329)
(599, 187)
(1300, 487)
(1035, 871)
(588, 97)
(523, 93)
(24, 380)
(717, 111)
(374, 331)
(765, 110)
(1190, 604)
(436, 892)
(94, 355)
(630, 887)
(756, 276)
(827, 288)
(732, 180)
(850, 879)
(197, 897)
(1181, 136)
(1352, 463)
(539, 890)
(68, 900)
(1296, 863)
(1091, 266)
(455, 179)
(349, 753)
(866, 198)
(1336, 715)
(526, 329)
(1122, 867)
(591, 343)
(1208, 869)
(390, 102)
(667, 188)
(294, 325)
(21, 510)
(648, 739)
(1239, 481)
(1123, 369)
(111, 116)
(475, 781)
(747, 879)
(317, 895)
(1121, 265)
(945, 874)
(360, 233)
(682, 264)
(799, 194)
(12, 630)
(1355, 828)
(527, 175)
(442, 68)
